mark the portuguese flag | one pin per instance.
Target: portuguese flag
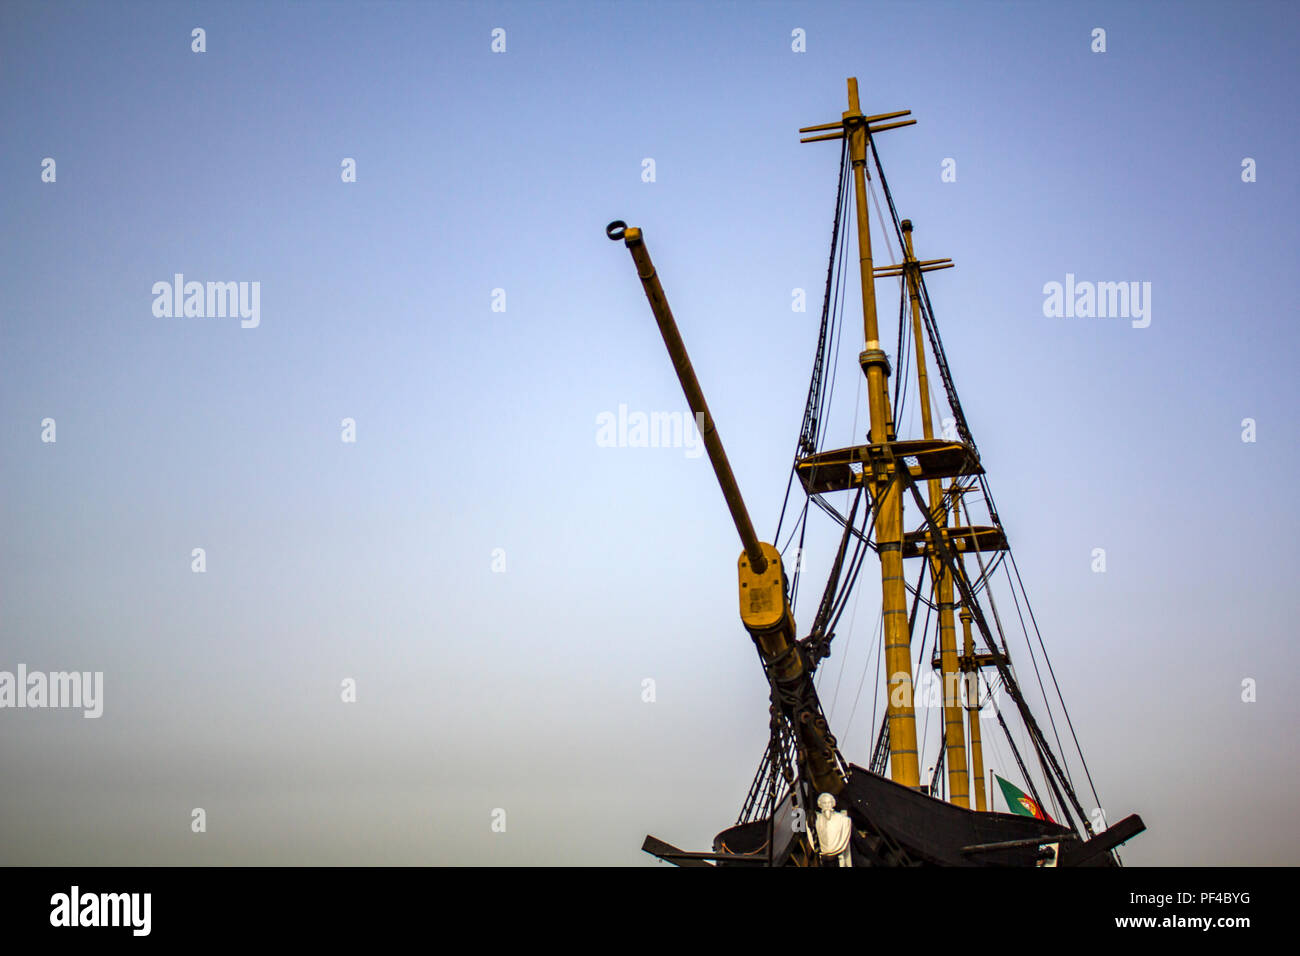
(1021, 802)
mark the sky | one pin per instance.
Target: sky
(430, 644)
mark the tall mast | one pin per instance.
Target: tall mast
(881, 463)
(954, 734)
(886, 490)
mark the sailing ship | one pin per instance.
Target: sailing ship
(807, 804)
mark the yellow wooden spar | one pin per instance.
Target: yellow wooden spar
(764, 605)
(954, 734)
(886, 488)
(971, 674)
(970, 661)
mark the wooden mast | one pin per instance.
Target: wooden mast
(954, 734)
(886, 488)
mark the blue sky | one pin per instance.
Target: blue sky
(476, 428)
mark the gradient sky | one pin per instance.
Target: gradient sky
(476, 429)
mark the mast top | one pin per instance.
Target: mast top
(853, 117)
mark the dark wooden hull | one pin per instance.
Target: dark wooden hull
(932, 832)
(898, 826)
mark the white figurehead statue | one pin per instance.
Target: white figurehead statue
(833, 830)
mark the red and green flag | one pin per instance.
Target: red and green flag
(1021, 802)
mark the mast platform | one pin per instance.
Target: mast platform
(924, 458)
(963, 540)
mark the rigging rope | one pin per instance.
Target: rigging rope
(807, 442)
(1052, 673)
(857, 695)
